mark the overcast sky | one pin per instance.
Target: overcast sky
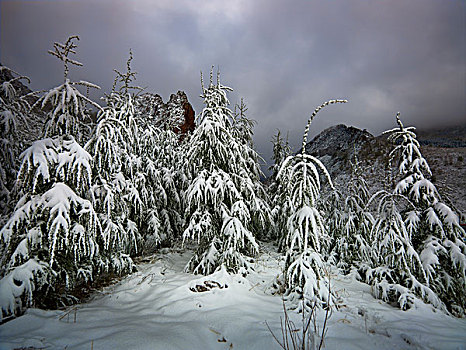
(283, 57)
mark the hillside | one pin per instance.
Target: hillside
(337, 146)
(453, 137)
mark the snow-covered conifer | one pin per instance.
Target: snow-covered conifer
(432, 226)
(281, 150)
(256, 197)
(242, 125)
(117, 168)
(396, 271)
(110, 188)
(299, 175)
(69, 104)
(53, 233)
(332, 207)
(12, 111)
(351, 222)
(164, 159)
(223, 197)
(136, 167)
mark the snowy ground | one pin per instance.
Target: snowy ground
(155, 308)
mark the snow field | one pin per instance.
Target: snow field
(154, 308)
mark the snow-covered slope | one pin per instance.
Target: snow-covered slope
(161, 307)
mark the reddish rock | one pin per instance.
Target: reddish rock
(177, 113)
(189, 124)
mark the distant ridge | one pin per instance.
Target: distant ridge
(446, 137)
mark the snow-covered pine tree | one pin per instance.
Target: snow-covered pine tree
(243, 126)
(351, 228)
(114, 145)
(221, 190)
(50, 242)
(305, 276)
(256, 197)
(69, 105)
(332, 207)
(432, 226)
(396, 271)
(12, 110)
(163, 156)
(162, 152)
(135, 167)
(161, 180)
(281, 150)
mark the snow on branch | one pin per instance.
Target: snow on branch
(61, 51)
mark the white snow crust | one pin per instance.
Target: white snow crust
(155, 308)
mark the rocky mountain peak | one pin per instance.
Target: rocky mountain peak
(176, 113)
(336, 139)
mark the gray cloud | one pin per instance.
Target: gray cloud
(283, 57)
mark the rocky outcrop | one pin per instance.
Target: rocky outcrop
(177, 113)
(337, 145)
(189, 116)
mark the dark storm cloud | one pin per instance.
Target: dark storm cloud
(283, 57)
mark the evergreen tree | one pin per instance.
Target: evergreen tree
(350, 223)
(135, 169)
(161, 181)
(332, 206)
(12, 110)
(163, 157)
(281, 150)
(256, 197)
(113, 146)
(419, 249)
(305, 276)
(116, 196)
(221, 198)
(432, 226)
(51, 241)
(395, 271)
